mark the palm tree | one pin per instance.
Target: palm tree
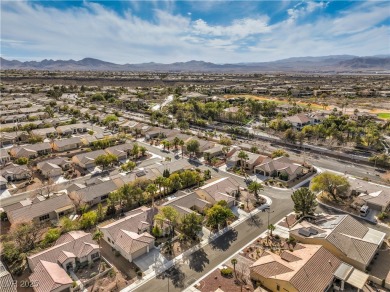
(271, 228)
(151, 189)
(176, 142)
(234, 263)
(207, 157)
(243, 157)
(255, 187)
(181, 143)
(98, 236)
(159, 183)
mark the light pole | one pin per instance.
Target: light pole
(268, 211)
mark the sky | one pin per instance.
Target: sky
(179, 31)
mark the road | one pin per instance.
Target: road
(199, 263)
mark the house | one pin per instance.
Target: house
(281, 167)
(379, 200)
(6, 281)
(203, 145)
(224, 188)
(308, 268)
(214, 151)
(49, 169)
(122, 151)
(4, 157)
(40, 209)
(87, 160)
(49, 267)
(72, 129)
(45, 132)
(3, 183)
(374, 196)
(95, 193)
(10, 138)
(31, 151)
(53, 167)
(130, 236)
(342, 235)
(298, 121)
(66, 144)
(51, 278)
(14, 172)
(253, 160)
(162, 133)
(186, 203)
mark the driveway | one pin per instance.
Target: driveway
(146, 261)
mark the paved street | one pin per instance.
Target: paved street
(206, 259)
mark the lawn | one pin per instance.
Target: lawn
(384, 116)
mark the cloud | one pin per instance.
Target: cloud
(30, 30)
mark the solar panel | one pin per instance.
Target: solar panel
(304, 232)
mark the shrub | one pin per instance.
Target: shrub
(139, 274)
(21, 161)
(117, 253)
(112, 273)
(74, 284)
(52, 235)
(227, 272)
(383, 216)
(93, 274)
(10, 252)
(277, 236)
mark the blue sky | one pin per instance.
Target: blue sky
(177, 31)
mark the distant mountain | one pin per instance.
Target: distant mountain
(335, 63)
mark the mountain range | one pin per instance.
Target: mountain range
(333, 63)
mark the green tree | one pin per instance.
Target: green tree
(128, 166)
(176, 181)
(67, 225)
(11, 252)
(191, 225)
(88, 220)
(21, 161)
(135, 151)
(382, 159)
(254, 149)
(151, 189)
(271, 228)
(51, 235)
(143, 150)
(110, 119)
(333, 184)
(182, 143)
(106, 160)
(255, 187)
(234, 263)
(193, 146)
(169, 215)
(218, 215)
(279, 153)
(100, 212)
(304, 202)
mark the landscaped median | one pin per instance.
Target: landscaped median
(153, 271)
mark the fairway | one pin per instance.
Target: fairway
(384, 116)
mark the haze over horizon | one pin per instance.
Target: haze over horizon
(179, 31)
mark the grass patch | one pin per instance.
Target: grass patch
(384, 116)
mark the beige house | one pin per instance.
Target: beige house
(66, 144)
(50, 266)
(40, 209)
(130, 235)
(31, 151)
(95, 193)
(252, 161)
(122, 151)
(87, 160)
(72, 129)
(45, 132)
(220, 189)
(14, 172)
(281, 167)
(342, 235)
(188, 203)
(4, 157)
(53, 167)
(307, 268)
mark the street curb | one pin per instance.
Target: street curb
(203, 243)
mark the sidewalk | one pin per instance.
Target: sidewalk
(153, 271)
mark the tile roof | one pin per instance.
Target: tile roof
(49, 276)
(66, 142)
(131, 242)
(311, 269)
(7, 284)
(26, 210)
(94, 191)
(220, 189)
(75, 242)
